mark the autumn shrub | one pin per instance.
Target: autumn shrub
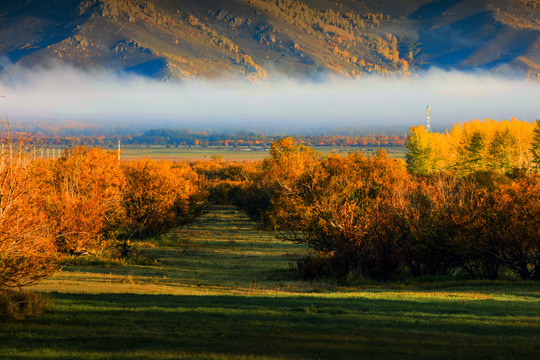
(338, 206)
(366, 214)
(272, 198)
(430, 212)
(157, 197)
(227, 182)
(354, 213)
(480, 224)
(27, 251)
(215, 182)
(242, 184)
(512, 220)
(94, 203)
(80, 192)
(487, 219)
(489, 180)
(253, 195)
(476, 241)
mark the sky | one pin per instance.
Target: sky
(62, 93)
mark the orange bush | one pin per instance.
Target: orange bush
(158, 196)
(334, 204)
(80, 192)
(229, 183)
(27, 251)
(512, 225)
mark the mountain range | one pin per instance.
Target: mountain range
(254, 39)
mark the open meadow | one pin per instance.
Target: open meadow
(195, 153)
(221, 289)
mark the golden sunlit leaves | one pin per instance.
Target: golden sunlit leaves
(478, 145)
(27, 251)
(84, 201)
(367, 215)
(78, 191)
(333, 203)
(155, 196)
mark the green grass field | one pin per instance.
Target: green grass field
(223, 290)
(194, 153)
(158, 152)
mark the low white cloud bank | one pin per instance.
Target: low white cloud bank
(48, 95)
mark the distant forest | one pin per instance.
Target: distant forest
(172, 137)
(187, 137)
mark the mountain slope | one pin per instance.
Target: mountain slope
(181, 39)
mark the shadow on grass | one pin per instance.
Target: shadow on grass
(129, 326)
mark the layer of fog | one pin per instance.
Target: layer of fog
(64, 94)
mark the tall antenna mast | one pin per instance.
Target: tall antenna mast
(428, 127)
(119, 151)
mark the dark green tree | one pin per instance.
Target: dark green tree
(500, 151)
(473, 157)
(419, 155)
(535, 147)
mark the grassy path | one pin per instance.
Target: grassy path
(224, 291)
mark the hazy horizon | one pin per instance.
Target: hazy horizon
(106, 98)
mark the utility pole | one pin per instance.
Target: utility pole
(428, 127)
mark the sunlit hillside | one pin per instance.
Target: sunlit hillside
(262, 38)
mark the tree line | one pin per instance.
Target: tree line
(187, 137)
(177, 137)
(478, 145)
